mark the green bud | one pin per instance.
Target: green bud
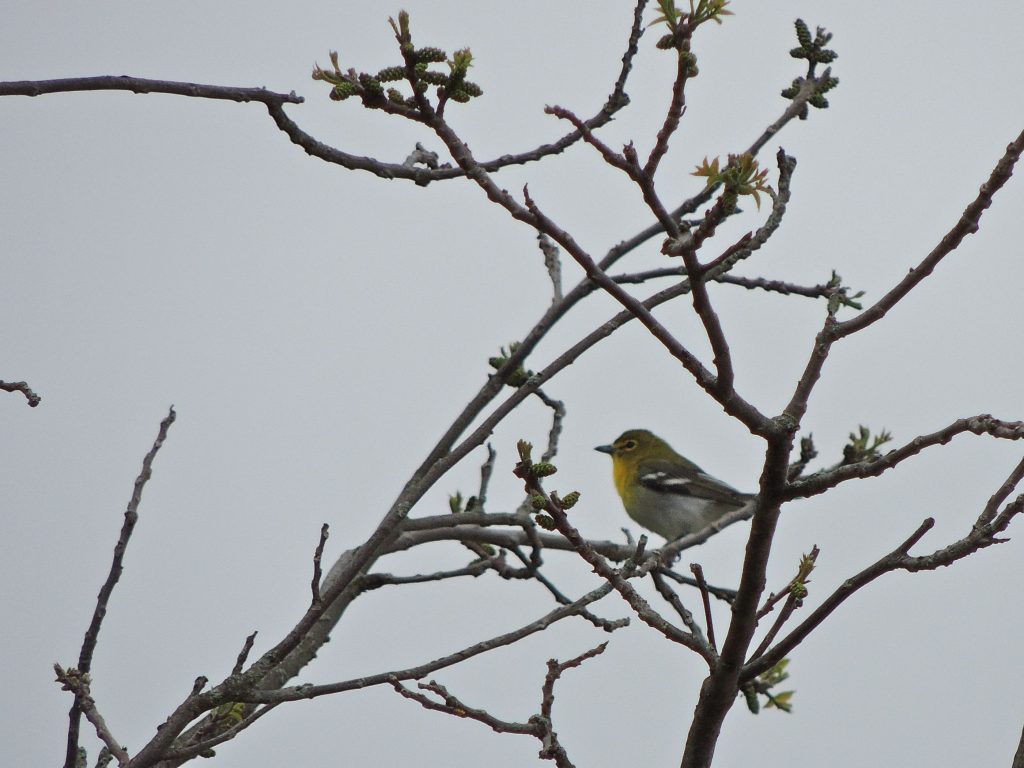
(803, 34)
(525, 449)
(342, 91)
(751, 697)
(543, 469)
(431, 55)
(434, 78)
(666, 42)
(370, 84)
(391, 74)
(570, 499)
(455, 503)
(538, 501)
(546, 522)
(520, 376)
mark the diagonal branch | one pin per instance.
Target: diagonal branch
(131, 516)
(982, 534)
(300, 692)
(967, 225)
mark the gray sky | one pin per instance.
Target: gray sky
(317, 328)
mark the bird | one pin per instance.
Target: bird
(663, 491)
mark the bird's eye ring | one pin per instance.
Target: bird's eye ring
(629, 445)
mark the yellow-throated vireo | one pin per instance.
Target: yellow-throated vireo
(663, 491)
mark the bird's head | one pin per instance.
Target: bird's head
(636, 444)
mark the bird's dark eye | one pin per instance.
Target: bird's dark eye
(629, 445)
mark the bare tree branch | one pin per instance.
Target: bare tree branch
(23, 387)
(1018, 758)
(677, 605)
(296, 693)
(983, 424)
(77, 682)
(205, 747)
(451, 705)
(967, 225)
(317, 557)
(145, 85)
(698, 574)
(618, 580)
(982, 535)
(131, 516)
(243, 654)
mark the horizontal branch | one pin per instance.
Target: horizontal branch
(983, 424)
(145, 85)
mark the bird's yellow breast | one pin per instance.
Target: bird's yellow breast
(620, 472)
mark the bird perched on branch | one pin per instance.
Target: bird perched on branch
(663, 491)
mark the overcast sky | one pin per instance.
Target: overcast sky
(317, 328)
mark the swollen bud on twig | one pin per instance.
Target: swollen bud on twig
(525, 450)
(543, 469)
(546, 522)
(569, 500)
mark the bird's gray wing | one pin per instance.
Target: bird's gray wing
(690, 480)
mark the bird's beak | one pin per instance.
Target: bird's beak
(605, 449)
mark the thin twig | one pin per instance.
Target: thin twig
(452, 705)
(889, 562)
(677, 604)
(676, 108)
(698, 574)
(719, 593)
(806, 566)
(620, 581)
(983, 424)
(966, 225)
(77, 681)
(486, 470)
(553, 749)
(553, 265)
(146, 85)
(988, 514)
(131, 516)
(317, 557)
(557, 417)
(204, 746)
(373, 581)
(608, 625)
(243, 654)
(297, 693)
(23, 387)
